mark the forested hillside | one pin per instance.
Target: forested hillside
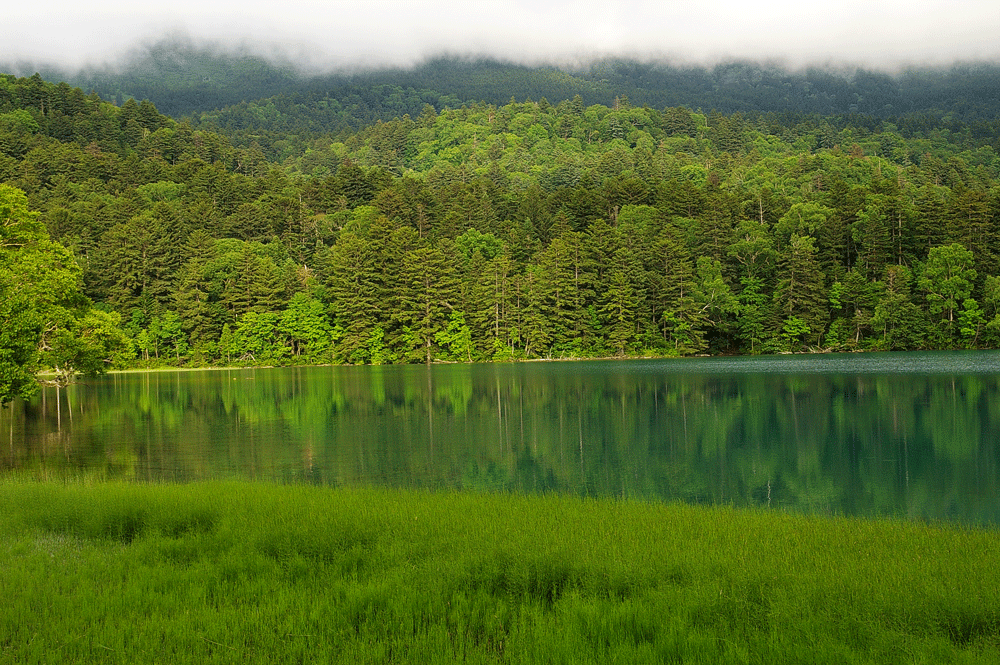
(240, 89)
(524, 230)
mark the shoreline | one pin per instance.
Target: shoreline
(513, 361)
(822, 352)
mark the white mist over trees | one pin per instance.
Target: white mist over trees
(884, 34)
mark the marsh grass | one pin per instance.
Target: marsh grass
(244, 572)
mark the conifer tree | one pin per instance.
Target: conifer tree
(800, 292)
(428, 287)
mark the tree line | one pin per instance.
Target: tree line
(527, 230)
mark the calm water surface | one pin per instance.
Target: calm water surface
(913, 435)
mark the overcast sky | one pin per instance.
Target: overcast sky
(881, 33)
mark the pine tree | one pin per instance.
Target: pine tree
(355, 286)
(871, 237)
(564, 291)
(139, 260)
(195, 297)
(680, 320)
(491, 306)
(622, 303)
(428, 287)
(800, 293)
(896, 318)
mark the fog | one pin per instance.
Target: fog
(317, 34)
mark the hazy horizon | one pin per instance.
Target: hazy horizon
(338, 35)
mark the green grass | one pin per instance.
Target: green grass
(242, 572)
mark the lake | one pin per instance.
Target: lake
(911, 435)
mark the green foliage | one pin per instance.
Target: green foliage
(947, 281)
(168, 335)
(794, 331)
(377, 353)
(428, 285)
(753, 311)
(555, 229)
(48, 323)
(902, 324)
(256, 336)
(307, 329)
(457, 338)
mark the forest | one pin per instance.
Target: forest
(184, 78)
(483, 231)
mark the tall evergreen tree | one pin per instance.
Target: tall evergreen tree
(800, 293)
(428, 289)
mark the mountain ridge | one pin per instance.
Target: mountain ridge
(183, 78)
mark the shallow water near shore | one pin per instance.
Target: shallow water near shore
(914, 435)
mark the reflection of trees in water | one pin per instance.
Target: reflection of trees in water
(856, 444)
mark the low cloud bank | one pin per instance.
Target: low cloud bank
(322, 36)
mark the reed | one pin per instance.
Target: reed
(247, 572)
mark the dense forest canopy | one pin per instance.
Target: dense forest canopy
(268, 234)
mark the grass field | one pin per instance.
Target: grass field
(257, 573)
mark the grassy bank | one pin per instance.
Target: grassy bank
(231, 572)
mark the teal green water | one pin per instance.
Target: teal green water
(914, 435)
